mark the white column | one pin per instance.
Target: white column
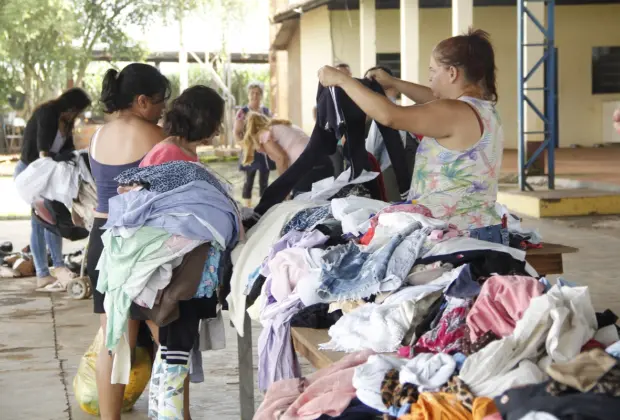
(409, 42)
(533, 35)
(368, 35)
(462, 16)
(183, 67)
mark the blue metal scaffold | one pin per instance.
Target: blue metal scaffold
(548, 115)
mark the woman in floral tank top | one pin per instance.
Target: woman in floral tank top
(458, 162)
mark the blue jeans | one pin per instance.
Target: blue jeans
(39, 238)
(496, 234)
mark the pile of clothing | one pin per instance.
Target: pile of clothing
(439, 324)
(167, 236)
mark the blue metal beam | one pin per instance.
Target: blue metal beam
(548, 116)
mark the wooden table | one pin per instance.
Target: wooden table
(546, 260)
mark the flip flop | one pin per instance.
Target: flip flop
(57, 286)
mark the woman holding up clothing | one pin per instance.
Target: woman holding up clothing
(458, 162)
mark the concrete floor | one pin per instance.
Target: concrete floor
(42, 337)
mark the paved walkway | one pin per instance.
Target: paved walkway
(42, 338)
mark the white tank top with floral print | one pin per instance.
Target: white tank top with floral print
(461, 186)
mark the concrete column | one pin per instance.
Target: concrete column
(183, 67)
(462, 16)
(409, 42)
(368, 35)
(533, 35)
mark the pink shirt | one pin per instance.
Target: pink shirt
(165, 152)
(290, 138)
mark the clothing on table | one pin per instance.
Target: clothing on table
(250, 254)
(446, 406)
(165, 152)
(353, 212)
(292, 239)
(337, 160)
(355, 411)
(381, 328)
(450, 335)
(460, 187)
(94, 251)
(326, 391)
(277, 359)
(369, 377)
(516, 403)
(307, 218)
(428, 371)
(585, 371)
(496, 234)
(197, 210)
(502, 302)
(424, 274)
(329, 188)
(483, 341)
(42, 131)
(465, 286)
(395, 394)
(349, 273)
(560, 321)
(321, 170)
(462, 392)
(316, 316)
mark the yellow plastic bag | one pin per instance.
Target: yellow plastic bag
(85, 382)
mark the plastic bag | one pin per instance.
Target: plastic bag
(85, 381)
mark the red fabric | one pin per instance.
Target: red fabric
(451, 334)
(375, 167)
(592, 344)
(368, 236)
(165, 152)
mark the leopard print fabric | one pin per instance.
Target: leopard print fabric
(395, 394)
(608, 385)
(459, 388)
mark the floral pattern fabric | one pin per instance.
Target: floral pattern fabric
(460, 187)
(210, 274)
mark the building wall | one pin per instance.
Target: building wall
(578, 29)
(316, 51)
(294, 80)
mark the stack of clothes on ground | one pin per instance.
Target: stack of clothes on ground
(437, 324)
(167, 238)
(15, 264)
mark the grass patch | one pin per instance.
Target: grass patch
(11, 216)
(217, 159)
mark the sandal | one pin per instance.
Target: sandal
(57, 286)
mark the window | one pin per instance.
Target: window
(391, 61)
(605, 70)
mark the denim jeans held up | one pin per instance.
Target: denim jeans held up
(41, 239)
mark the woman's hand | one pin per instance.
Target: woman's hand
(330, 76)
(382, 77)
(617, 120)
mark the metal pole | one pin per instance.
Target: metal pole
(520, 93)
(551, 92)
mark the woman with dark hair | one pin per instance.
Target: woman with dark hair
(50, 132)
(458, 162)
(136, 97)
(194, 119)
